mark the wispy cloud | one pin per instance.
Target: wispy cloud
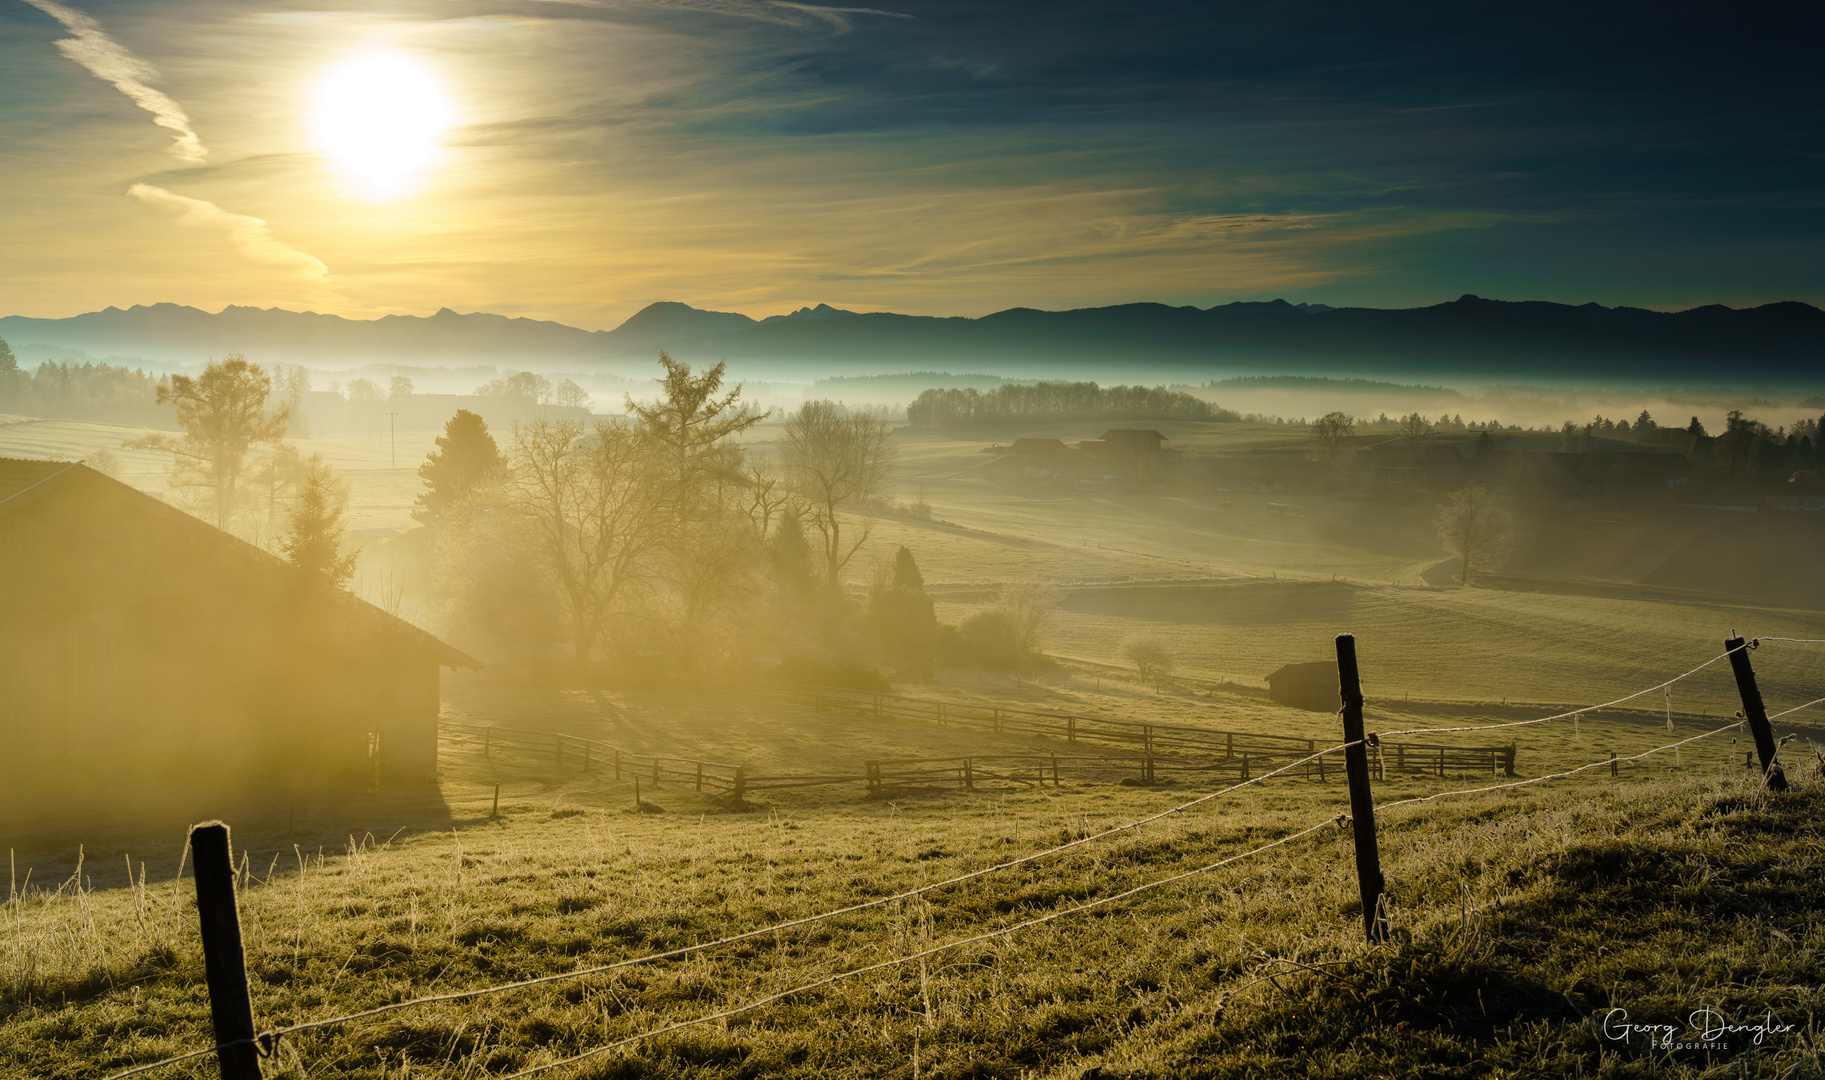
(251, 235)
(837, 17)
(108, 61)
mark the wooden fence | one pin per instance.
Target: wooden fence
(1247, 752)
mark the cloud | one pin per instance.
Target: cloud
(108, 61)
(251, 235)
(836, 16)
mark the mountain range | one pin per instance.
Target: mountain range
(1776, 344)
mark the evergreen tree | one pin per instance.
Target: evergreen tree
(904, 618)
(314, 541)
(465, 455)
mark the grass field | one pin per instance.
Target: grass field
(1517, 916)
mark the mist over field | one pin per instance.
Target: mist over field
(744, 539)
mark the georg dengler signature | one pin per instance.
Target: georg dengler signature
(1705, 1030)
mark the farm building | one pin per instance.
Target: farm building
(1306, 686)
(138, 641)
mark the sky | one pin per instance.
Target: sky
(578, 160)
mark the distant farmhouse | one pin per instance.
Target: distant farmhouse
(1125, 443)
(138, 641)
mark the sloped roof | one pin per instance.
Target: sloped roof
(16, 476)
(23, 482)
(1132, 435)
(1314, 669)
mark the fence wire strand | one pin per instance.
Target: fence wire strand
(1574, 713)
(883, 965)
(1733, 725)
(791, 924)
(137, 1069)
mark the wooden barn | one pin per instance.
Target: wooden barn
(1307, 686)
(139, 642)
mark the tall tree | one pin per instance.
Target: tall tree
(317, 531)
(593, 497)
(465, 456)
(692, 422)
(833, 460)
(1330, 433)
(905, 620)
(223, 413)
(1474, 526)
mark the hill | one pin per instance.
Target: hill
(1772, 344)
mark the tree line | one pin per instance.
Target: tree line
(951, 408)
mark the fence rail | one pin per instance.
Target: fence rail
(1243, 750)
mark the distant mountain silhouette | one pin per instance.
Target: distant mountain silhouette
(822, 311)
(1471, 336)
(668, 320)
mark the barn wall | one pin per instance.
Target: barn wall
(130, 642)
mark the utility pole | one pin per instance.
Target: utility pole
(394, 437)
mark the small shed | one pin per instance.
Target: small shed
(1044, 451)
(140, 643)
(1132, 441)
(1307, 686)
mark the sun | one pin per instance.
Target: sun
(381, 117)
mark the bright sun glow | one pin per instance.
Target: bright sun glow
(382, 117)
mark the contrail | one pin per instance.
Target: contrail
(250, 234)
(107, 60)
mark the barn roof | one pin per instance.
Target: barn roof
(22, 483)
(1314, 669)
(16, 476)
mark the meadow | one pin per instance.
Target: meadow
(1519, 915)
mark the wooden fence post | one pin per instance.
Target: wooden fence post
(585, 757)
(1245, 765)
(1362, 800)
(636, 793)
(1613, 771)
(1755, 712)
(700, 776)
(224, 966)
(1054, 770)
(1071, 729)
(1229, 746)
(741, 783)
(487, 740)
(969, 775)
(1508, 760)
(558, 741)
(872, 770)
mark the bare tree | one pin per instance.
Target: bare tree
(766, 499)
(1413, 427)
(594, 498)
(832, 460)
(1031, 607)
(1151, 656)
(223, 413)
(1475, 527)
(1331, 432)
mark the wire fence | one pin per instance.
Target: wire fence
(699, 771)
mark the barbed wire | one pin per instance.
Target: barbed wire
(1574, 712)
(1795, 640)
(1560, 775)
(883, 965)
(791, 924)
